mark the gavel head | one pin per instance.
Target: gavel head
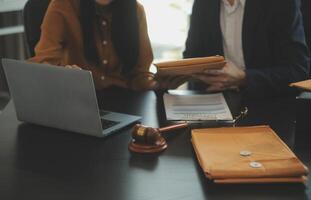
(146, 135)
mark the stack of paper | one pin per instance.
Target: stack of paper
(196, 107)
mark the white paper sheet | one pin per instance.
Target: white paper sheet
(196, 107)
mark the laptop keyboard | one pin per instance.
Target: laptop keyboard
(108, 123)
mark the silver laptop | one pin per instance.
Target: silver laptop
(60, 98)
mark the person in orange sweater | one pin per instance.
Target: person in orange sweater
(107, 37)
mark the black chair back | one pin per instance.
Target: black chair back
(34, 12)
(4, 89)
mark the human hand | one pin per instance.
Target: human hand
(73, 67)
(229, 77)
(170, 82)
(143, 82)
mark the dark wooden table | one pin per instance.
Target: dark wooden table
(44, 163)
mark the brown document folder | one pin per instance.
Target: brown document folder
(190, 66)
(246, 155)
(305, 85)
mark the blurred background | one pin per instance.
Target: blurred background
(11, 29)
(168, 22)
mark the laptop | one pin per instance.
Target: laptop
(61, 98)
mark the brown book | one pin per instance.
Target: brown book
(246, 155)
(190, 66)
(305, 85)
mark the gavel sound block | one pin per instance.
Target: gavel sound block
(150, 140)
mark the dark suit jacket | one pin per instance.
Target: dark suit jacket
(274, 46)
(306, 13)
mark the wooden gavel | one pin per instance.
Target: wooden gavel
(150, 136)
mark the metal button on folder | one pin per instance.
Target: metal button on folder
(245, 153)
(104, 42)
(255, 165)
(102, 78)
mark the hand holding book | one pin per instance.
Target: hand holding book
(214, 71)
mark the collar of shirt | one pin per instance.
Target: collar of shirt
(230, 9)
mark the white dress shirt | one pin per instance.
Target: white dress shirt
(231, 23)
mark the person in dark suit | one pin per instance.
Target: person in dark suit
(306, 14)
(263, 42)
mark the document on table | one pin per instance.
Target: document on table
(196, 107)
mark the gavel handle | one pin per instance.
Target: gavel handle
(173, 127)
